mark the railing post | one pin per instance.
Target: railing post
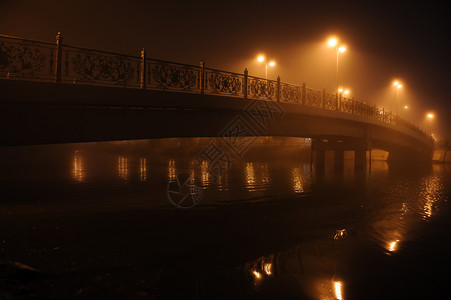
(338, 102)
(245, 83)
(142, 71)
(304, 93)
(58, 56)
(353, 106)
(278, 89)
(202, 77)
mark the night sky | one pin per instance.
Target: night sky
(408, 41)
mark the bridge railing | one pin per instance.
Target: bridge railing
(223, 83)
(26, 59)
(165, 75)
(88, 66)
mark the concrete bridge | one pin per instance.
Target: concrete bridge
(55, 93)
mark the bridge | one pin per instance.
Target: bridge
(58, 93)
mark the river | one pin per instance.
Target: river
(146, 220)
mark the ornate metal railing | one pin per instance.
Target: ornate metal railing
(223, 83)
(290, 93)
(166, 75)
(259, 88)
(87, 66)
(24, 59)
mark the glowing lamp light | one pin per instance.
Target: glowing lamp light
(333, 42)
(395, 83)
(272, 64)
(430, 116)
(342, 49)
(261, 58)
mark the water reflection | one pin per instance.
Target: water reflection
(122, 167)
(297, 181)
(257, 176)
(171, 169)
(431, 192)
(143, 169)
(78, 171)
(250, 176)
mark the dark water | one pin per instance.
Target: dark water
(94, 221)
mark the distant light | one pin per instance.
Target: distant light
(399, 86)
(395, 83)
(333, 42)
(342, 49)
(340, 90)
(430, 116)
(257, 274)
(392, 246)
(267, 267)
(406, 107)
(346, 92)
(261, 58)
(272, 64)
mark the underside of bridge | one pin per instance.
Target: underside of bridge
(44, 113)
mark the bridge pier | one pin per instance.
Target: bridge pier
(320, 146)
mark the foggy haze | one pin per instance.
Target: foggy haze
(385, 41)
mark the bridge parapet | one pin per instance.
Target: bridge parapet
(24, 59)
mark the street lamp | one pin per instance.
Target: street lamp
(333, 42)
(398, 86)
(343, 92)
(430, 117)
(270, 63)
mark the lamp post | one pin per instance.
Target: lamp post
(398, 86)
(333, 42)
(271, 64)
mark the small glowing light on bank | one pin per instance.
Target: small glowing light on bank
(267, 268)
(257, 274)
(261, 58)
(430, 116)
(272, 63)
(392, 246)
(342, 49)
(338, 290)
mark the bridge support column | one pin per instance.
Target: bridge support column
(359, 159)
(339, 158)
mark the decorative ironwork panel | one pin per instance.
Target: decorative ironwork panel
(173, 76)
(223, 83)
(261, 88)
(313, 97)
(290, 93)
(378, 113)
(346, 105)
(331, 101)
(30, 60)
(97, 67)
(359, 108)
